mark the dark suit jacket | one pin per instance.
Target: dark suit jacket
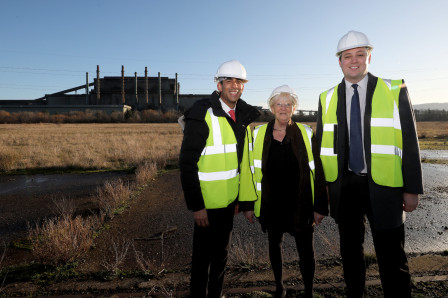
(386, 202)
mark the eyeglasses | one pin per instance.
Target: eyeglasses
(283, 104)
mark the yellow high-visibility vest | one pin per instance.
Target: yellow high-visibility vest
(259, 134)
(218, 164)
(385, 134)
(247, 190)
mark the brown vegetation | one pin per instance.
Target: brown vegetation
(87, 146)
(63, 239)
(433, 135)
(66, 238)
(112, 196)
(119, 146)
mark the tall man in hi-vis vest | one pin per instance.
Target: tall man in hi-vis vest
(211, 160)
(370, 154)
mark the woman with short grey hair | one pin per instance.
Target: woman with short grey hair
(290, 186)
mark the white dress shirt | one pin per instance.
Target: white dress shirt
(226, 108)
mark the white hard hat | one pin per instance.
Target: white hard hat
(231, 69)
(351, 40)
(284, 89)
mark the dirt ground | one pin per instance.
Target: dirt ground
(156, 231)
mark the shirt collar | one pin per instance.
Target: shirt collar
(225, 107)
(362, 84)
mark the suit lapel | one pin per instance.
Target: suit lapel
(371, 85)
(342, 131)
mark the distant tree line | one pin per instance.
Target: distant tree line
(155, 116)
(145, 116)
(431, 115)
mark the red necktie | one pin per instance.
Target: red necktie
(232, 115)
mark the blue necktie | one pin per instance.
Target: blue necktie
(356, 152)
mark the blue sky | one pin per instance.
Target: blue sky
(48, 46)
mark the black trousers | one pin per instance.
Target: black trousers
(389, 243)
(210, 248)
(305, 247)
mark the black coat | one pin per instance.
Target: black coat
(386, 202)
(303, 208)
(195, 136)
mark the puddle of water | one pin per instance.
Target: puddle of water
(434, 154)
(21, 184)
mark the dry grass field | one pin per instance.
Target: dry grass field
(118, 146)
(433, 135)
(86, 146)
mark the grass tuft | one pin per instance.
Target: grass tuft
(62, 239)
(113, 196)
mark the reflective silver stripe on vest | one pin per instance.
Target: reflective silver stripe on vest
(225, 175)
(256, 133)
(327, 151)
(258, 186)
(329, 127)
(328, 99)
(388, 122)
(257, 162)
(217, 139)
(386, 149)
(218, 147)
(311, 163)
(309, 133)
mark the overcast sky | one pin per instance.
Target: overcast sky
(48, 46)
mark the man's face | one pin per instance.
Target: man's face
(231, 90)
(354, 64)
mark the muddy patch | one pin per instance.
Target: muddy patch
(29, 198)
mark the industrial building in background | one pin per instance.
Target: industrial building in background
(111, 94)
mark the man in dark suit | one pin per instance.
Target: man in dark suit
(369, 149)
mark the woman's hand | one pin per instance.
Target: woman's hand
(318, 218)
(249, 215)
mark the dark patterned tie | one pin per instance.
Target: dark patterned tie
(356, 152)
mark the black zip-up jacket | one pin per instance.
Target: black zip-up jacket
(195, 136)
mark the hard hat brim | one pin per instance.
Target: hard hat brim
(354, 47)
(221, 78)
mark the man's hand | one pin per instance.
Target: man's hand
(318, 218)
(201, 218)
(249, 215)
(410, 201)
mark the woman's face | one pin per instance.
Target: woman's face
(282, 108)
